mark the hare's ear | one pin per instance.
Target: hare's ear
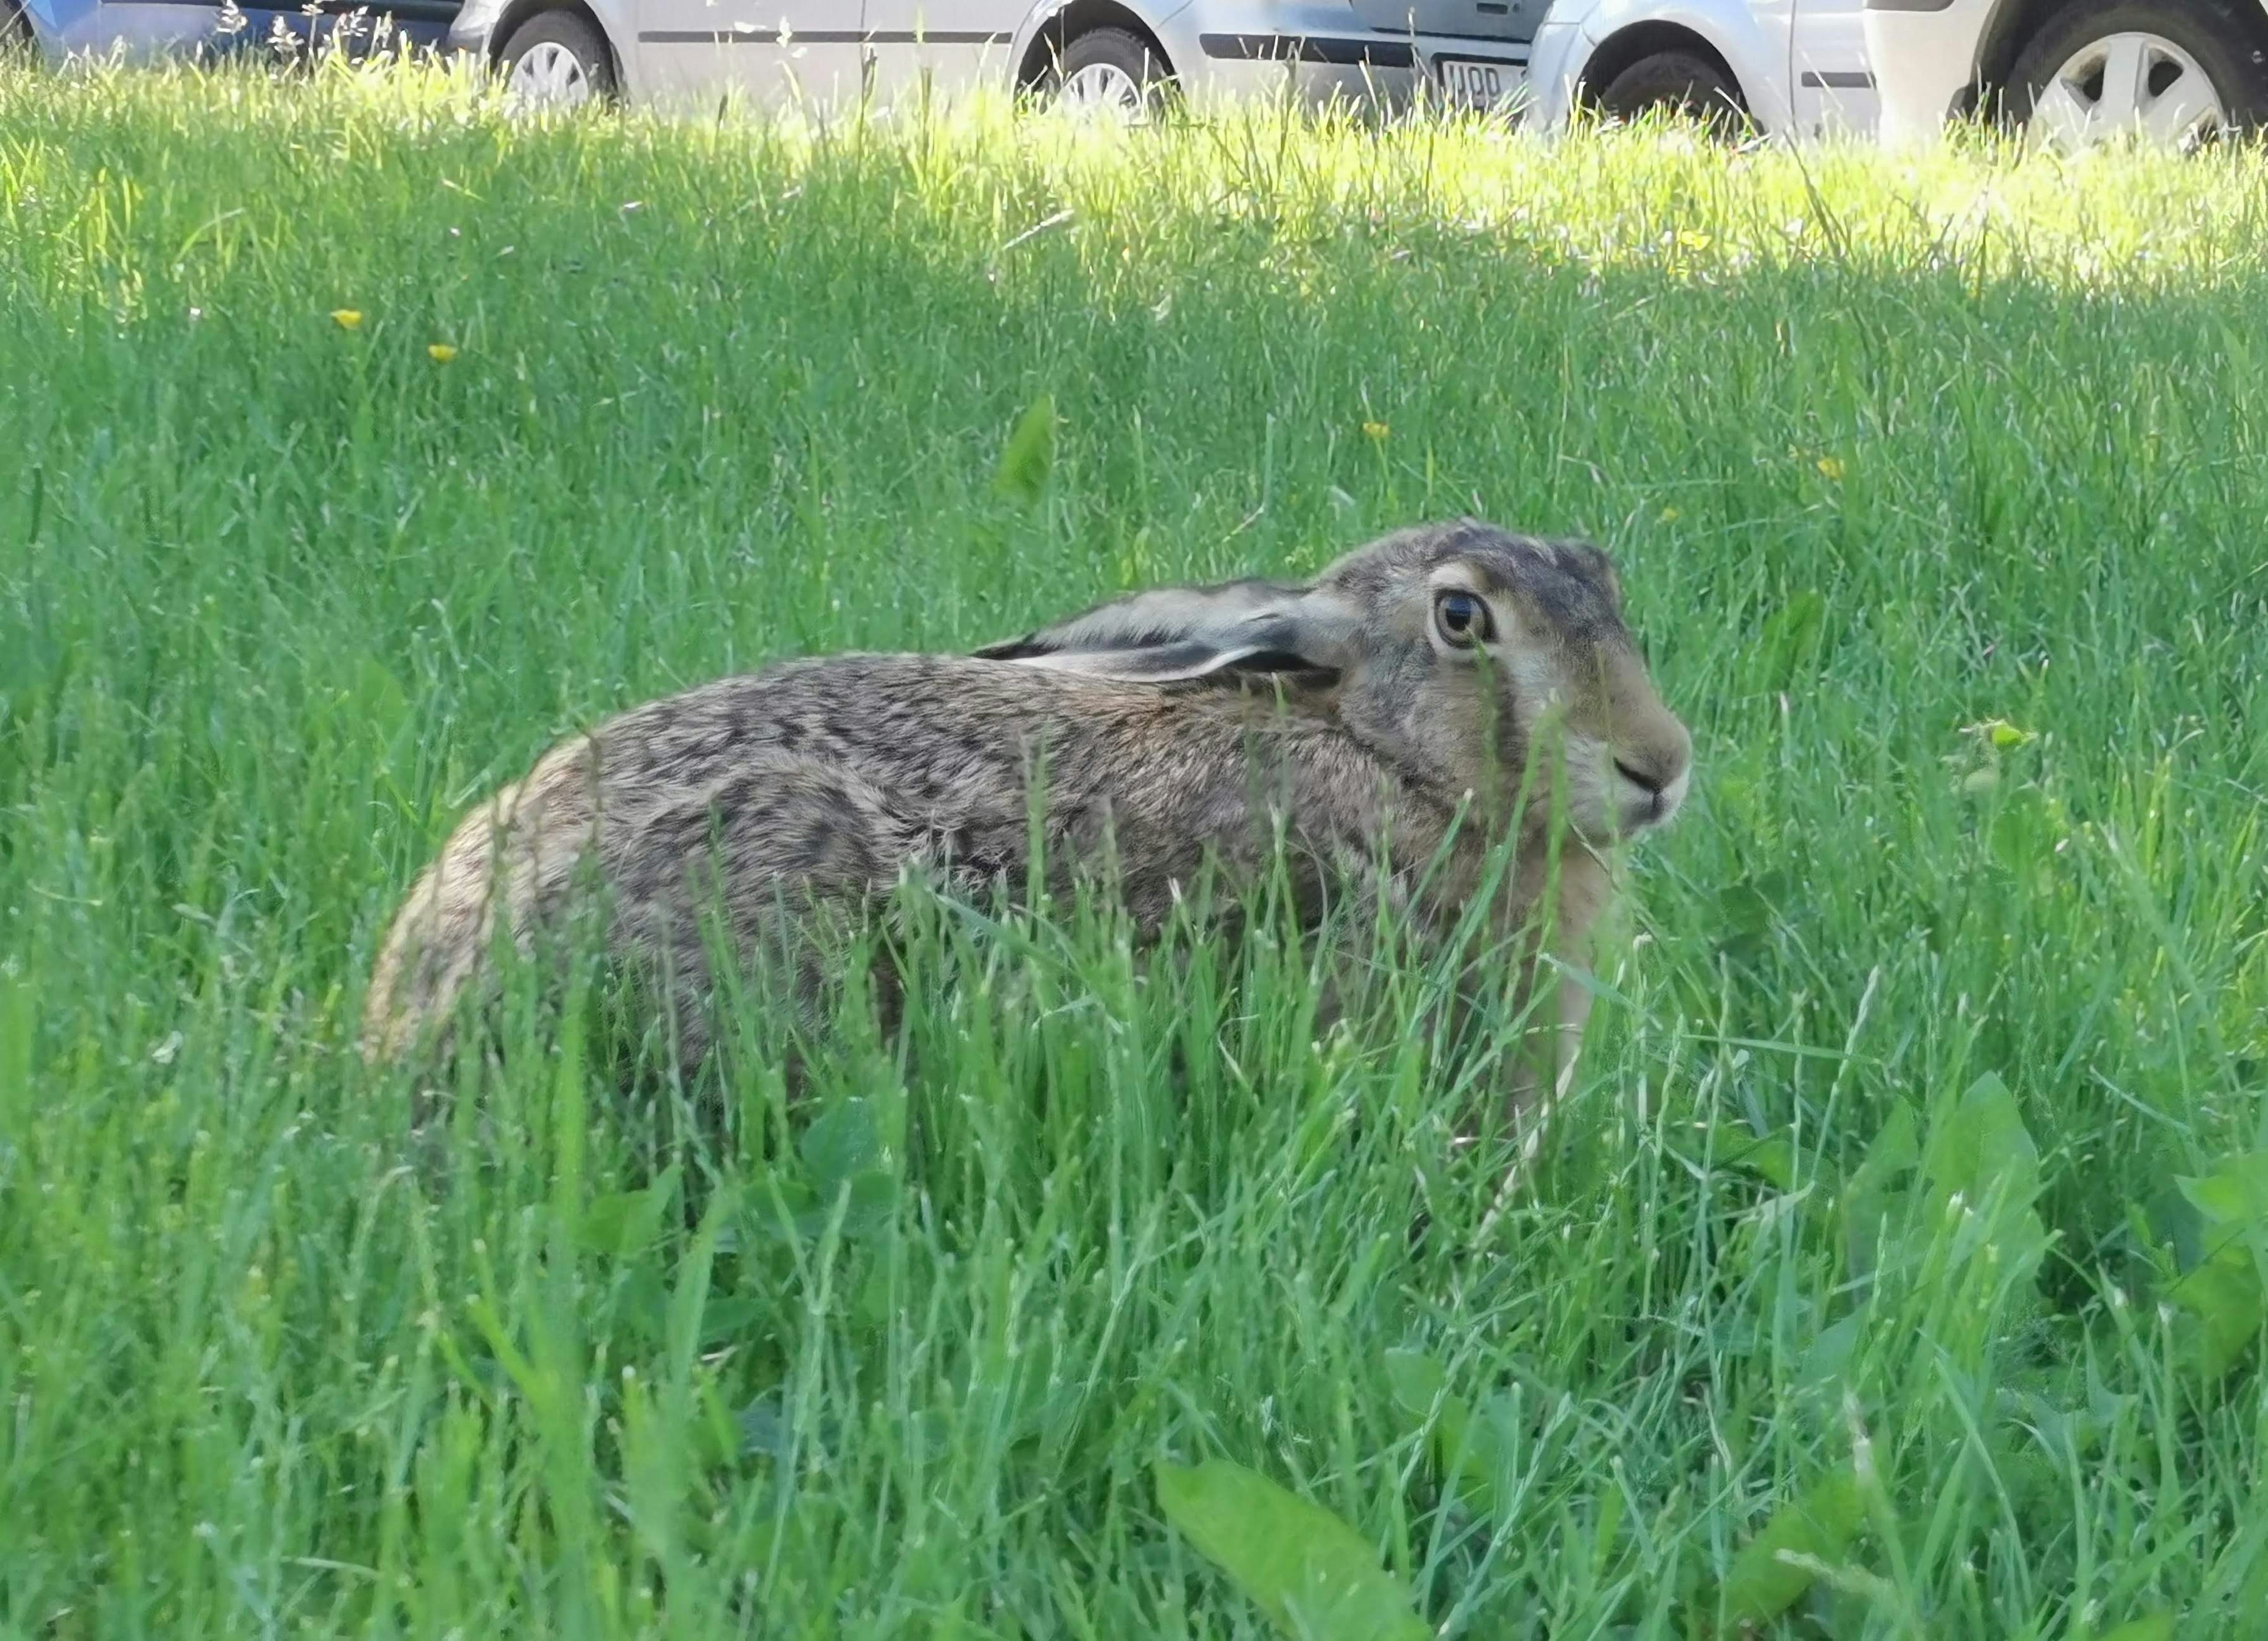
(1175, 633)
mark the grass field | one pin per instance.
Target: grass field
(1912, 1211)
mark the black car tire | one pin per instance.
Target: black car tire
(573, 33)
(15, 31)
(1682, 82)
(1114, 48)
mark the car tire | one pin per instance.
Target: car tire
(1682, 81)
(15, 40)
(557, 60)
(1111, 72)
(2065, 82)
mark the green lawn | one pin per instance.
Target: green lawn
(1915, 1175)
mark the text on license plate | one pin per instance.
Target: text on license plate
(1471, 83)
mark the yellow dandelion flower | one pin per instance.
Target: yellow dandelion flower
(439, 352)
(347, 318)
(1829, 469)
(1670, 515)
(1376, 431)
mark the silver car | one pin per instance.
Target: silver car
(2172, 72)
(1119, 57)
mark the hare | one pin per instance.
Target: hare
(1437, 692)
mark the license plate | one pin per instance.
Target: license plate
(1477, 83)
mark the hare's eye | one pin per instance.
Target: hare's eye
(1463, 618)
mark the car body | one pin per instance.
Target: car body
(830, 51)
(2172, 70)
(1798, 64)
(1798, 68)
(200, 28)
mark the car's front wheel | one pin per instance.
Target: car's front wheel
(556, 60)
(1679, 83)
(2174, 75)
(15, 31)
(1112, 74)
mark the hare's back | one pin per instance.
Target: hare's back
(931, 729)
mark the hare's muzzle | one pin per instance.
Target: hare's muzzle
(1650, 781)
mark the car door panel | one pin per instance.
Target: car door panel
(952, 44)
(1473, 20)
(774, 52)
(1830, 82)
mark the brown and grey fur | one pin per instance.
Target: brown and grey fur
(1170, 728)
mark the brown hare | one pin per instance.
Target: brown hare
(1431, 695)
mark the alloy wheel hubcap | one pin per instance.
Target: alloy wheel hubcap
(2139, 84)
(550, 76)
(1105, 89)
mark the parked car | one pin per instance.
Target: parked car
(200, 28)
(1794, 66)
(1120, 57)
(2172, 72)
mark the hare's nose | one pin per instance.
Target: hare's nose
(1657, 762)
(1639, 777)
(1654, 783)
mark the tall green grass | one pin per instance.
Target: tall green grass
(1870, 1198)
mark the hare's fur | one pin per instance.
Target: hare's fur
(1330, 721)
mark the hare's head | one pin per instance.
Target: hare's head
(1471, 661)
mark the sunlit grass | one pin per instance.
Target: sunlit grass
(1890, 451)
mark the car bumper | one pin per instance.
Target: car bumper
(471, 29)
(1555, 56)
(1322, 54)
(1923, 61)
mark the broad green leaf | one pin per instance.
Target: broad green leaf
(1416, 1379)
(1728, 1145)
(17, 1024)
(2236, 1193)
(2156, 1627)
(2225, 1294)
(843, 1141)
(1790, 635)
(873, 1201)
(1897, 1147)
(624, 1223)
(1820, 1524)
(1981, 1152)
(375, 703)
(1464, 1449)
(1867, 1199)
(32, 654)
(1314, 1575)
(2022, 834)
(763, 1428)
(1471, 1446)
(1980, 1143)
(1742, 909)
(1827, 1360)
(1030, 455)
(870, 1202)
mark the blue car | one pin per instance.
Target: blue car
(203, 29)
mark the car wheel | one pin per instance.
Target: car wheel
(15, 31)
(1111, 75)
(556, 60)
(1680, 82)
(2174, 75)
